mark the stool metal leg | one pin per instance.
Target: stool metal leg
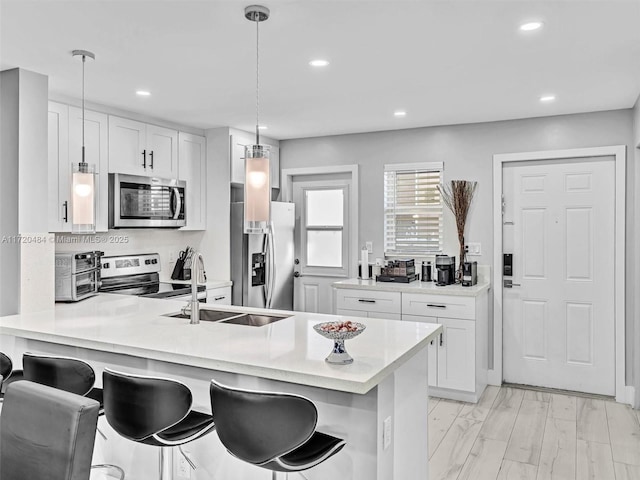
(166, 464)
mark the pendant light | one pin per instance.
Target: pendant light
(257, 184)
(83, 179)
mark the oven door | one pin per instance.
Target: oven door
(139, 202)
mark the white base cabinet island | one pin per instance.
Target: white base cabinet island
(378, 404)
(458, 357)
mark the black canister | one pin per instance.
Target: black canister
(426, 272)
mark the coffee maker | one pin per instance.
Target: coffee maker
(446, 270)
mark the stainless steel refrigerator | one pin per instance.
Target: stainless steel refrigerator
(262, 264)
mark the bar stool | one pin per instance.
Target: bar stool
(46, 433)
(154, 411)
(275, 431)
(71, 375)
(7, 373)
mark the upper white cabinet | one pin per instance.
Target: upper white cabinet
(65, 149)
(138, 148)
(192, 168)
(238, 140)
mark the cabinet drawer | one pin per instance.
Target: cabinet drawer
(221, 296)
(371, 301)
(447, 306)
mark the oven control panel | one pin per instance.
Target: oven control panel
(117, 266)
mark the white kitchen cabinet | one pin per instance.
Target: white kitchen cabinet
(192, 168)
(458, 357)
(238, 141)
(65, 149)
(220, 295)
(59, 168)
(368, 303)
(138, 148)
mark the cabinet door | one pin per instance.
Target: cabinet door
(192, 169)
(96, 153)
(162, 152)
(456, 354)
(369, 300)
(237, 143)
(274, 158)
(59, 168)
(432, 349)
(127, 146)
(352, 313)
(221, 296)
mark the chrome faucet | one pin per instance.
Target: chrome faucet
(196, 264)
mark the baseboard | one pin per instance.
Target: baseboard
(494, 378)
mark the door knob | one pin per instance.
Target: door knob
(297, 261)
(296, 274)
(509, 284)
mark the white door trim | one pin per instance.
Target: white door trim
(495, 375)
(286, 192)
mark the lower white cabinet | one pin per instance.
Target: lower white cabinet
(458, 357)
(367, 303)
(220, 295)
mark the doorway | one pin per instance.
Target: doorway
(326, 233)
(559, 315)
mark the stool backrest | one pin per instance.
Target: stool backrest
(6, 366)
(46, 433)
(69, 374)
(138, 406)
(259, 426)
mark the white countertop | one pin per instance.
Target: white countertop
(414, 287)
(288, 350)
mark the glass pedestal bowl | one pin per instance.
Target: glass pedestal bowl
(339, 353)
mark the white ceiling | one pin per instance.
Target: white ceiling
(444, 62)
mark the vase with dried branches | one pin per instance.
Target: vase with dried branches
(457, 198)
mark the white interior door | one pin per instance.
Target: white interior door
(558, 319)
(322, 240)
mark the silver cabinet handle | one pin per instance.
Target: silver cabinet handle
(65, 205)
(436, 305)
(151, 155)
(366, 300)
(144, 159)
(220, 298)
(442, 339)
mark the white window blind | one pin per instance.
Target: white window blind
(412, 209)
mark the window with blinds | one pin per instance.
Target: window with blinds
(412, 209)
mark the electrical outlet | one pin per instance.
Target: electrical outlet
(183, 469)
(386, 433)
(369, 246)
(172, 258)
(473, 249)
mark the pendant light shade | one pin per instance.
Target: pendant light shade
(257, 179)
(83, 178)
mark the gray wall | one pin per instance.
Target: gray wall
(467, 152)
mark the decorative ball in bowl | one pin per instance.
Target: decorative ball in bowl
(339, 332)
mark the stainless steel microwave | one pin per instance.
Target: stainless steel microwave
(146, 202)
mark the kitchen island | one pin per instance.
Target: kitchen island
(386, 384)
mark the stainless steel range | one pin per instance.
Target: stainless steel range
(139, 275)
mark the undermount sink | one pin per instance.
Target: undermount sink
(237, 318)
(254, 319)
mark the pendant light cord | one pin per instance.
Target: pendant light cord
(257, 80)
(84, 59)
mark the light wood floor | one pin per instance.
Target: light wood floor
(514, 434)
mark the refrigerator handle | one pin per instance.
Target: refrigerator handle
(265, 287)
(272, 263)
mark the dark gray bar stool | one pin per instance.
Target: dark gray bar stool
(68, 374)
(154, 411)
(46, 433)
(276, 431)
(7, 373)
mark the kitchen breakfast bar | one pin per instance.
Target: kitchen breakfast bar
(377, 404)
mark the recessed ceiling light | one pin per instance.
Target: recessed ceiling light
(400, 113)
(143, 93)
(547, 98)
(319, 63)
(530, 26)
